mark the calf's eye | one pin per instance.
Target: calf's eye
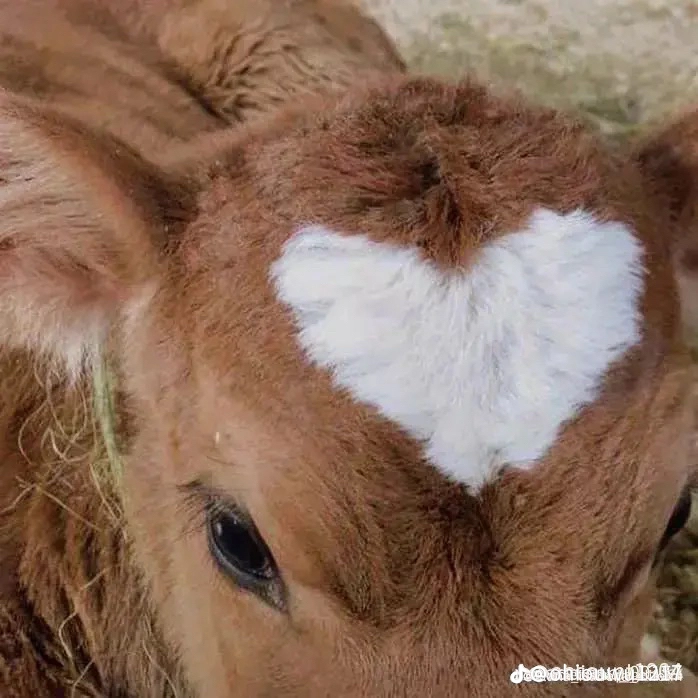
(241, 554)
(678, 518)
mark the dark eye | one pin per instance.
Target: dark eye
(678, 519)
(241, 553)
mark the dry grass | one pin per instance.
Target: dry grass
(676, 619)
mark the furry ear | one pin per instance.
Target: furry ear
(81, 226)
(669, 159)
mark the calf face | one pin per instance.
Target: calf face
(404, 376)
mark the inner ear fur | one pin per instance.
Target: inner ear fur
(84, 223)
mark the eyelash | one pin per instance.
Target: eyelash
(199, 503)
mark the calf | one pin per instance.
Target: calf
(383, 397)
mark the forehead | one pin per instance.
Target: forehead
(484, 363)
(469, 268)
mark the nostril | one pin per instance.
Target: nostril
(678, 518)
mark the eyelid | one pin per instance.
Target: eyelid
(198, 500)
(202, 499)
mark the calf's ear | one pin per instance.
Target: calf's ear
(669, 159)
(83, 221)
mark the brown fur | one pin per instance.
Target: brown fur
(671, 155)
(159, 72)
(400, 582)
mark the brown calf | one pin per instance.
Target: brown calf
(399, 399)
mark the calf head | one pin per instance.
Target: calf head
(404, 376)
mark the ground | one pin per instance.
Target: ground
(622, 63)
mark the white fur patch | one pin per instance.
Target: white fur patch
(485, 365)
